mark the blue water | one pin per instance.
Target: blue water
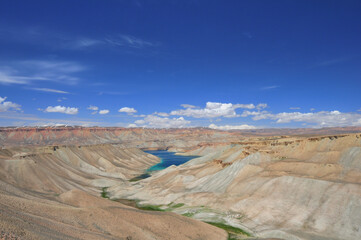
(168, 159)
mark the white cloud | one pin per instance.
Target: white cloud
(105, 111)
(61, 99)
(140, 115)
(132, 125)
(247, 113)
(28, 72)
(231, 127)
(295, 108)
(127, 110)
(49, 90)
(269, 87)
(261, 106)
(32, 120)
(7, 105)
(129, 41)
(152, 121)
(320, 119)
(247, 106)
(188, 106)
(37, 35)
(213, 109)
(84, 43)
(93, 108)
(162, 114)
(61, 109)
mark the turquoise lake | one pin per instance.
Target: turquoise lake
(168, 159)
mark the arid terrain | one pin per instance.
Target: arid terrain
(272, 184)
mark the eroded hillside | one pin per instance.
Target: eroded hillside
(284, 187)
(54, 193)
(281, 186)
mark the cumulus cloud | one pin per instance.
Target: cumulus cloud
(7, 105)
(247, 106)
(320, 119)
(231, 127)
(105, 111)
(188, 106)
(214, 109)
(247, 113)
(127, 110)
(162, 114)
(261, 106)
(152, 121)
(93, 108)
(62, 109)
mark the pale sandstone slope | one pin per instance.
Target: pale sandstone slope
(78, 215)
(290, 187)
(54, 193)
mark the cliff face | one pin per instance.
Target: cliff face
(135, 137)
(282, 187)
(143, 138)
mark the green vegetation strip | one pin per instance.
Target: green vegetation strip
(104, 193)
(231, 230)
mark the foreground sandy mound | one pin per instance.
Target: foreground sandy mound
(78, 215)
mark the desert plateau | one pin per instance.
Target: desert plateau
(255, 186)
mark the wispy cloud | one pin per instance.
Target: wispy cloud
(269, 87)
(28, 72)
(247, 35)
(49, 90)
(331, 62)
(129, 41)
(295, 108)
(32, 120)
(37, 35)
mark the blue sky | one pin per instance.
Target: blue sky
(223, 64)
